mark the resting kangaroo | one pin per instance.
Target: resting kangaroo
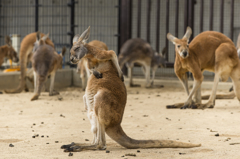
(8, 51)
(105, 100)
(82, 66)
(211, 51)
(25, 55)
(45, 62)
(139, 51)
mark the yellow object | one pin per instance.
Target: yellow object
(12, 69)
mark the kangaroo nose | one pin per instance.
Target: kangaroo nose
(72, 58)
(185, 53)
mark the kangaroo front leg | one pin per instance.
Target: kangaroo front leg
(196, 85)
(51, 91)
(211, 101)
(197, 98)
(40, 82)
(35, 81)
(147, 76)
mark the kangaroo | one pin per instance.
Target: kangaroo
(45, 62)
(211, 51)
(25, 55)
(82, 67)
(105, 100)
(139, 51)
(8, 51)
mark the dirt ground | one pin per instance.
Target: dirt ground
(59, 122)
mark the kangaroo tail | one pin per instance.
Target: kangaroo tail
(23, 66)
(229, 95)
(118, 135)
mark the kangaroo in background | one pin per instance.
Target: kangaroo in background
(139, 51)
(82, 66)
(45, 62)
(211, 51)
(8, 51)
(25, 55)
(105, 101)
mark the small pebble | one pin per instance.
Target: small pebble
(107, 151)
(11, 145)
(70, 154)
(181, 153)
(47, 143)
(145, 115)
(217, 134)
(56, 141)
(42, 136)
(47, 136)
(42, 122)
(138, 150)
(33, 136)
(34, 124)
(130, 154)
(86, 140)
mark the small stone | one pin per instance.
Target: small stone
(33, 136)
(138, 151)
(83, 119)
(107, 151)
(70, 154)
(130, 154)
(56, 141)
(82, 131)
(11, 145)
(42, 122)
(60, 98)
(42, 136)
(145, 115)
(181, 153)
(47, 136)
(47, 143)
(86, 140)
(34, 124)
(217, 134)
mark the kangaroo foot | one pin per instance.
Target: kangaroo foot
(79, 147)
(204, 106)
(35, 97)
(97, 74)
(177, 105)
(134, 85)
(191, 106)
(54, 93)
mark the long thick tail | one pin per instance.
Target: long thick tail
(118, 135)
(122, 60)
(229, 95)
(23, 66)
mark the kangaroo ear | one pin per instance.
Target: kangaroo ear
(85, 36)
(44, 38)
(63, 51)
(187, 34)
(171, 38)
(8, 40)
(164, 50)
(75, 38)
(38, 37)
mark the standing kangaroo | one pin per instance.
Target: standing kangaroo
(8, 51)
(105, 100)
(139, 51)
(211, 51)
(45, 62)
(82, 66)
(25, 55)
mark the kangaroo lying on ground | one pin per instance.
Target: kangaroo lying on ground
(25, 55)
(82, 66)
(139, 51)
(105, 100)
(211, 51)
(8, 51)
(45, 62)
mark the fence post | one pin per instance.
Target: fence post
(36, 15)
(72, 23)
(125, 24)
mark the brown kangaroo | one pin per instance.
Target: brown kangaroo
(211, 51)
(25, 55)
(45, 62)
(82, 66)
(105, 100)
(139, 51)
(8, 51)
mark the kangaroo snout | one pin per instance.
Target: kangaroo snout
(185, 53)
(73, 59)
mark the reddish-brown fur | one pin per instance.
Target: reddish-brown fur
(211, 51)
(25, 57)
(105, 101)
(8, 51)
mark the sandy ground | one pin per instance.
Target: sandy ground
(59, 122)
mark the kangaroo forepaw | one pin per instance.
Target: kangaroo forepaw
(97, 74)
(35, 97)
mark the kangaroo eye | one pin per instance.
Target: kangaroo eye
(77, 49)
(178, 46)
